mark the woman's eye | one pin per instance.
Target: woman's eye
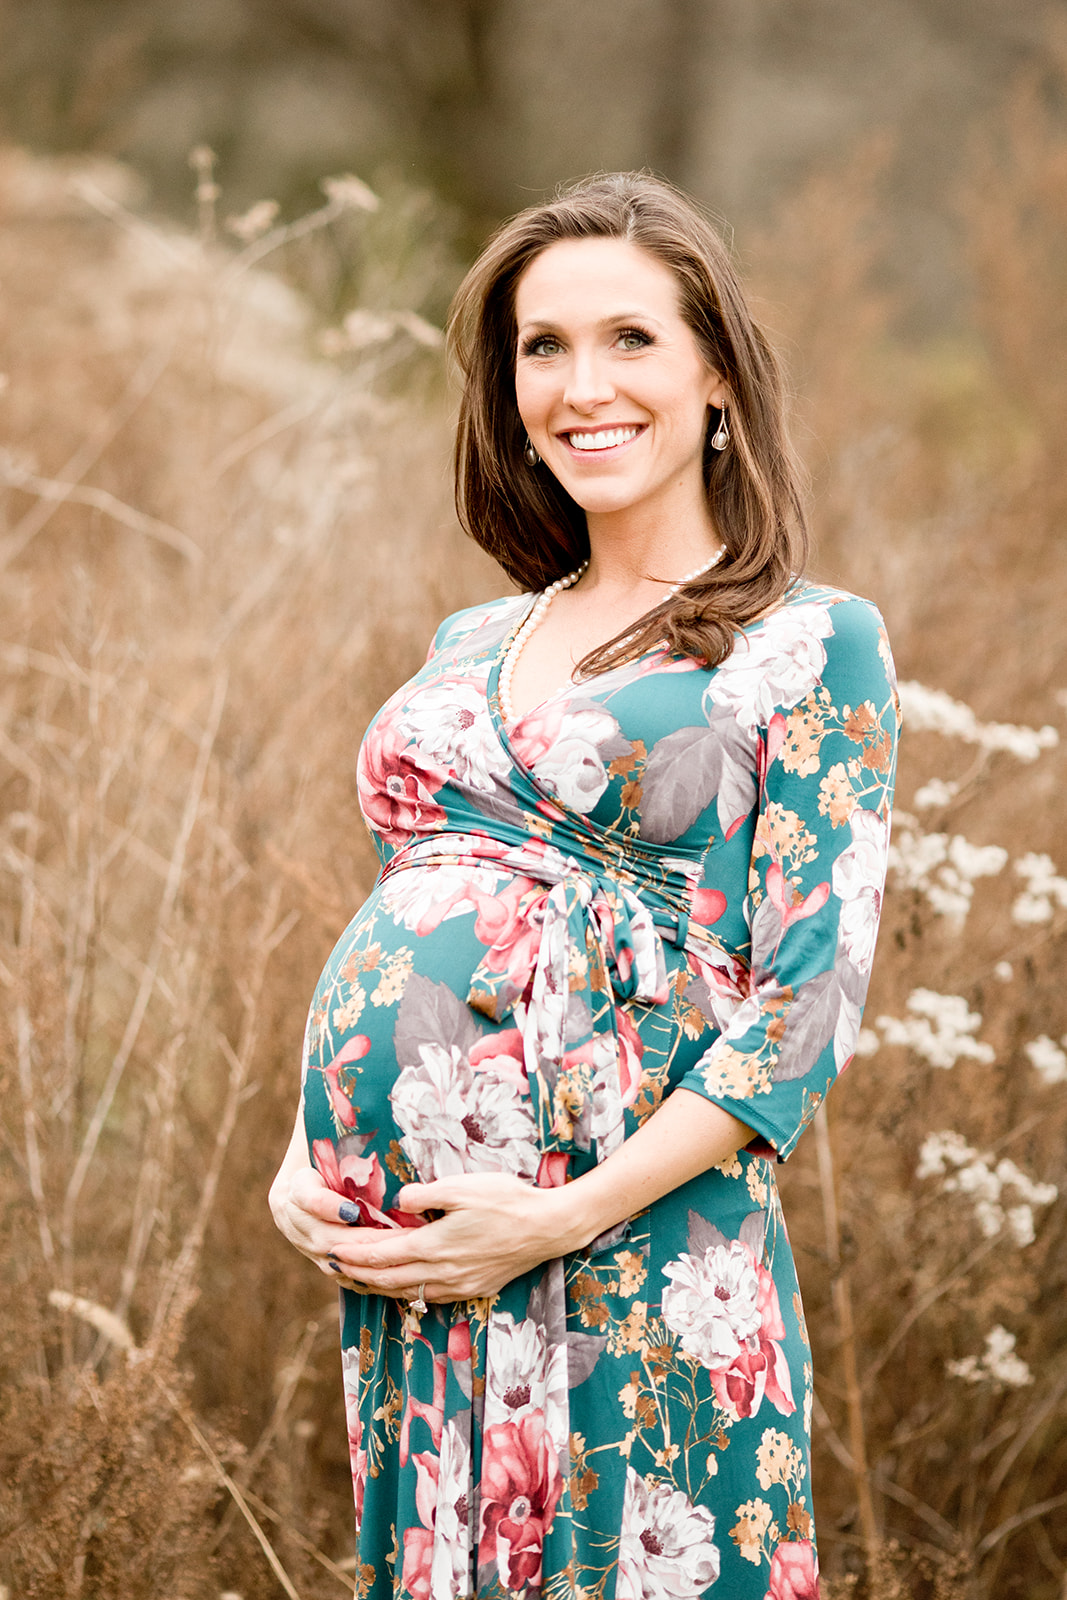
(633, 339)
(544, 345)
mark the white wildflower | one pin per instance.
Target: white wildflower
(998, 1363)
(942, 867)
(364, 328)
(933, 711)
(940, 1029)
(964, 1170)
(935, 793)
(1047, 1057)
(253, 222)
(1045, 889)
(867, 1042)
(1004, 971)
(350, 191)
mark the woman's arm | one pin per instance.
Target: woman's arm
(496, 1227)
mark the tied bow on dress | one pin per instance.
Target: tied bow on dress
(568, 946)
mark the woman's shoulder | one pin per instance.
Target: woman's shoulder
(810, 592)
(481, 625)
(828, 612)
(817, 635)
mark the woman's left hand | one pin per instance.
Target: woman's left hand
(493, 1228)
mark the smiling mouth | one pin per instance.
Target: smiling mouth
(602, 439)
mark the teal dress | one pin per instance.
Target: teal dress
(664, 876)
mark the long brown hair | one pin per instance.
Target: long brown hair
(526, 519)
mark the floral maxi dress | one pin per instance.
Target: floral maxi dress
(664, 876)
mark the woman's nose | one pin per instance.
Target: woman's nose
(589, 383)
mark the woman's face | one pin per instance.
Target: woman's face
(611, 384)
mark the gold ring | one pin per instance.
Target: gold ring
(419, 1304)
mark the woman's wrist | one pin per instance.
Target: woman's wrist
(572, 1215)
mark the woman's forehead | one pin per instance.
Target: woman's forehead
(581, 274)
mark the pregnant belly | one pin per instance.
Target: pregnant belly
(403, 1081)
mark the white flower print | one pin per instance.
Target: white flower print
(456, 1120)
(608, 1125)
(572, 768)
(450, 723)
(523, 1375)
(421, 901)
(356, 1448)
(858, 877)
(774, 667)
(449, 1574)
(666, 1551)
(712, 1303)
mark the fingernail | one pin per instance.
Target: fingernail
(349, 1213)
(335, 1266)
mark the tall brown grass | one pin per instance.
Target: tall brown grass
(221, 549)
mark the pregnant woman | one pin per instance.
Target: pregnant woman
(633, 826)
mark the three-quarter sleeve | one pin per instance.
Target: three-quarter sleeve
(816, 877)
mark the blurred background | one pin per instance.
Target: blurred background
(229, 233)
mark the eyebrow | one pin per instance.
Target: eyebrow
(611, 321)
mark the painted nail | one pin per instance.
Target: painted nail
(335, 1266)
(349, 1213)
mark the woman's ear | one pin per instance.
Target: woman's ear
(717, 395)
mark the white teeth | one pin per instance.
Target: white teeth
(605, 440)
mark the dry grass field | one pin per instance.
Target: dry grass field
(225, 535)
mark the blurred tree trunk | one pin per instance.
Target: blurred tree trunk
(686, 82)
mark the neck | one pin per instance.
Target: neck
(641, 546)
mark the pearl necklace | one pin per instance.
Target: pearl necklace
(536, 614)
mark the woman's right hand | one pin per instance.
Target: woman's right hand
(305, 1209)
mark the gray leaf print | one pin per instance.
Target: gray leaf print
(431, 1013)
(753, 1231)
(809, 1026)
(583, 1352)
(685, 771)
(703, 1234)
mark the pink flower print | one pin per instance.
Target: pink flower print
(790, 909)
(353, 1049)
(526, 1375)
(520, 1489)
(724, 1306)
(630, 1052)
(535, 733)
(794, 1572)
(760, 1371)
(359, 1178)
(436, 1554)
(459, 1343)
(509, 925)
(553, 1169)
(768, 753)
(501, 1054)
(357, 1454)
(418, 1557)
(449, 722)
(708, 906)
(432, 1411)
(396, 791)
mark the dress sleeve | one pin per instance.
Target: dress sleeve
(816, 877)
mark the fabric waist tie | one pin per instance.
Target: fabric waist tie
(560, 952)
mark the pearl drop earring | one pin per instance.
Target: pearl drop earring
(721, 437)
(532, 458)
